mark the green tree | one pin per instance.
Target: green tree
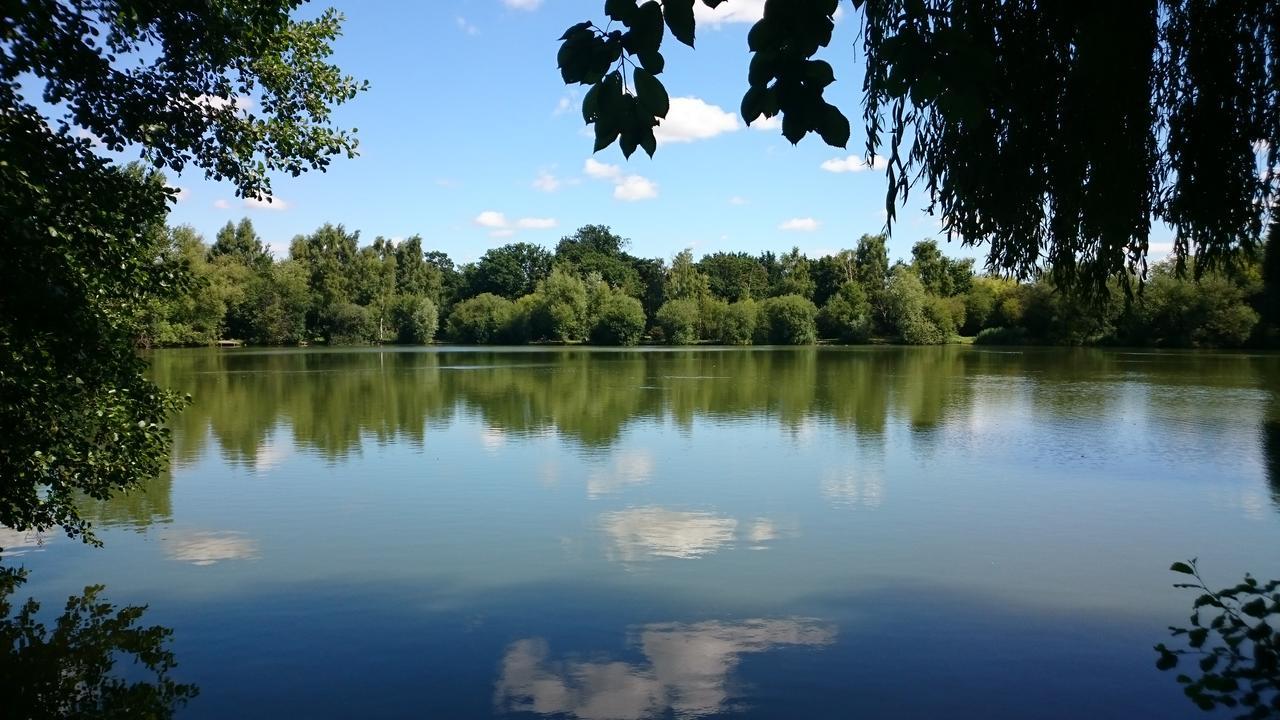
(194, 313)
(871, 260)
(847, 314)
(679, 320)
(1180, 312)
(829, 273)
(734, 276)
(684, 281)
(415, 275)
(483, 319)
(793, 276)
(452, 283)
(653, 278)
(1006, 146)
(597, 249)
(564, 302)
(738, 326)
(909, 316)
(510, 271)
(280, 299)
(241, 242)
(375, 285)
(416, 319)
(617, 320)
(329, 254)
(788, 320)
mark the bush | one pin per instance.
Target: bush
(485, 318)
(679, 321)
(619, 320)
(564, 303)
(906, 308)
(1181, 312)
(947, 314)
(1001, 336)
(351, 324)
(847, 315)
(416, 320)
(735, 324)
(711, 316)
(788, 320)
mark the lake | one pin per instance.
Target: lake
(623, 534)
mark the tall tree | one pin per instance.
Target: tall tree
(241, 242)
(734, 276)
(794, 278)
(1053, 133)
(684, 281)
(78, 415)
(509, 271)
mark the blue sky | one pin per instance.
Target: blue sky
(469, 138)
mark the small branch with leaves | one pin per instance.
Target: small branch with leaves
(1234, 646)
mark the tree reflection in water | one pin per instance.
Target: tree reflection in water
(67, 671)
(688, 671)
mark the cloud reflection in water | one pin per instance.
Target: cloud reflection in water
(688, 671)
(645, 533)
(210, 548)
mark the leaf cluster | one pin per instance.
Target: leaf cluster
(1234, 641)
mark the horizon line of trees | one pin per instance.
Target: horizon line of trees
(589, 289)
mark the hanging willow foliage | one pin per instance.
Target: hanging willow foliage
(1055, 134)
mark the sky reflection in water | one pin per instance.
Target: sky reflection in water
(905, 532)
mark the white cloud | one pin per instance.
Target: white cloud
(466, 26)
(737, 200)
(628, 188)
(500, 227)
(447, 182)
(804, 224)
(853, 163)
(633, 188)
(601, 171)
(265, 203)
(562, 106)
(222, 204)
(183, 194)
(738, 11)
(536, 223)
(522, 4)
(692, 118)
(764, 123)
(491, 219)
(546, 182)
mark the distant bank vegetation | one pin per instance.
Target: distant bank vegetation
(591, 290)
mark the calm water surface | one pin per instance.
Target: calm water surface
(800, 533)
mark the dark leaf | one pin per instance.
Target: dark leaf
(650, 93)
(679, 16)
(834, 127)
(576, 29)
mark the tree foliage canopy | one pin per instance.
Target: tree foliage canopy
(178, 83)
(1052, 133)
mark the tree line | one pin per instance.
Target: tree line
(589, 289)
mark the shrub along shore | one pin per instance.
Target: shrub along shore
(591, 290)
